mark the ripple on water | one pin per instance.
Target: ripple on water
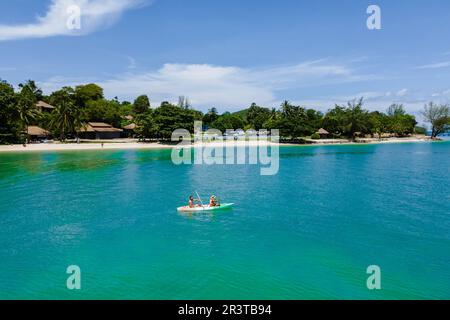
(308, 232)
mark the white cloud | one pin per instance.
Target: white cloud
(132, 64)
(231, 88)
(402, 93)
(95, 14)
(7, 68)
(442, 94)
(439, 65)
(225, 86)
(372, 96)
(203, 84)
(208, 85)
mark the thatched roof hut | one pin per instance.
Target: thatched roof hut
(131, 126)
(100, 130)
(35, 131)
(322, 131)
(44, 106)
(99, 127)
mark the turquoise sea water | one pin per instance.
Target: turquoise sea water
(308, 232)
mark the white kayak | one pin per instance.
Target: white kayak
(205, 208)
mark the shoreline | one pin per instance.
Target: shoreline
(49, 147)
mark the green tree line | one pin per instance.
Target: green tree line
(76, 106)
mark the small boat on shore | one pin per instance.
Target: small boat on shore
(202, 208)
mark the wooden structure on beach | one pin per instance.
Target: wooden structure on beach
(36, 133)
(44, 107)
(99, 131)
(323, 133)
(129, 130)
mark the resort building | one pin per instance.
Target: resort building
(129, 130)
(323, 133)
(100, 131)
(44, 107)
(37, 133)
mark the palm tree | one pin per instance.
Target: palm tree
(31, 87)
(26, 109)
(67, 117)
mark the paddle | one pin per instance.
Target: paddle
(200, 199)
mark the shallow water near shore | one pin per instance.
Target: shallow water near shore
(308, 232)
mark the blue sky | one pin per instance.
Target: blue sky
(230, 53)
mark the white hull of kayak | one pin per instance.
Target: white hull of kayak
(205, 208)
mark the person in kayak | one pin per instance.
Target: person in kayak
(191, 202)
(213, 201)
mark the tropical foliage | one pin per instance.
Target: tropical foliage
(75, 107)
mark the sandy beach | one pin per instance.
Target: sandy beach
(124, 145)
(82, 146)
